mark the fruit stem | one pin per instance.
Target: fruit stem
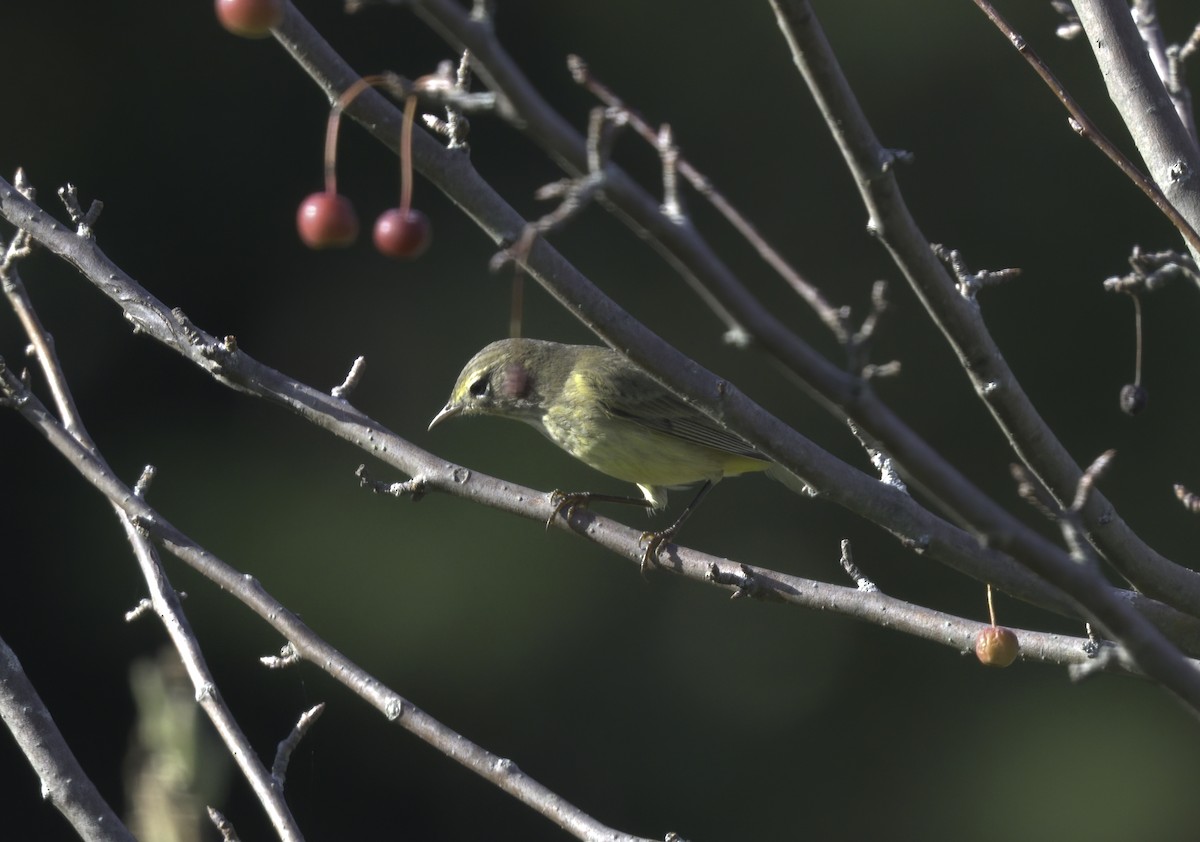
(406, 176)
(518, 303)
(331, 128)
(1137, 322)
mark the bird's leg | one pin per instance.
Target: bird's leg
(656, 540)
(566, 502)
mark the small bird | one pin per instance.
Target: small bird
(609, 414)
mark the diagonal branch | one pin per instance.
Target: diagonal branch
(64, 783)
(166, 604)
(1170, 153)
(499, 771)
(1120, 76)
(1030, 437)
(163, 598)
(871, 606)
(838, 482)
(962, 324)
(238, 370)
(1088, 592)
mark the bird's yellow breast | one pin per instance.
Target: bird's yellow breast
(627, 450)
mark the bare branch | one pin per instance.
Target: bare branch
(1189, 499)
(1165, 144)
(283, 753)
(166, 604)
(961, 323)
(1167, 60)
(970, 283)
(287, 657)
(222, 824)
(752, 581)
(499, 771)
(706, 392)
(1162, 186)
(861, 581)
(163, 599)
(64, 783)
(353, 376)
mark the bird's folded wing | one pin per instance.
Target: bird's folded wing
(668, 414)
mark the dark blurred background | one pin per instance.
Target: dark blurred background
(657, 706)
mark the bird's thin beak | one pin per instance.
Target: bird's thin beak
(449, 411)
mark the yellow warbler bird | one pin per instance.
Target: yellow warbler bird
(606, 412)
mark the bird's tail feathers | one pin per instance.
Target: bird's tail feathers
(777, 472)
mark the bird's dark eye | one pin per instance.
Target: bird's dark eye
(480, 387)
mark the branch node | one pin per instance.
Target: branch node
(353, 377)
(1070, 27)
(143, 482)
(861, 581)
(858, 343)
(414, 487)
(872, 371)
(143, 607)
(451, 85)
(880, 460)
(142, 523)
(228, 834)
(205, 691)
(575, 193)
(283, 753)
(891, 157)
(20, 247)
(737, 337)
(1101, 655)
(190, 332)
(23, 186)
(744, 581)
(287, 657)
(970, 283)
(1152, 271)
(1090, 477)
(1032, 492)
(1189, 499)
(84, 221)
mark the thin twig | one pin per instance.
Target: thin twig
(834, 318)
(167, 607)
(223, 825)
(353, 378)
(861, 581)
(815, 60)
(1189, 499)
(283, 752)
(1084, 126)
